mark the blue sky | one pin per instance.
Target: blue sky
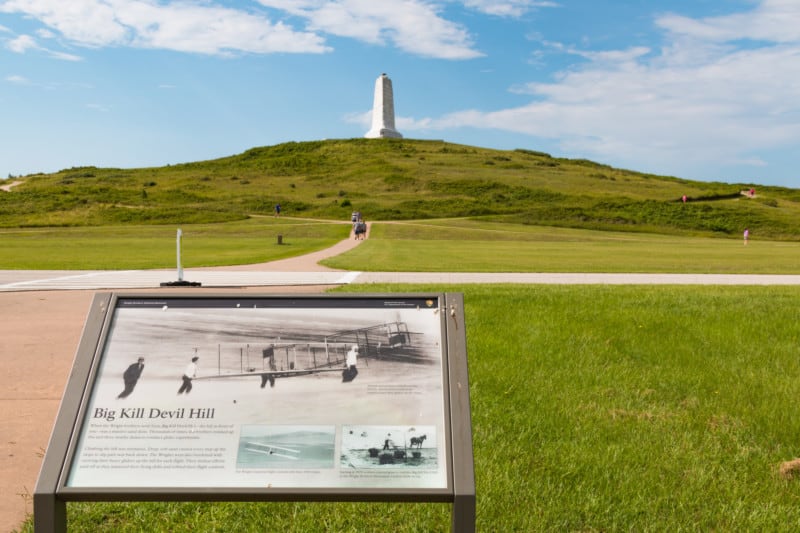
(699, 89)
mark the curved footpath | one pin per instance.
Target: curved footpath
(43, 314)
(306, 271)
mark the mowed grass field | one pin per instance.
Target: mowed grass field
(461, 245)
(594, 408)
(142, 247)
(447, 245)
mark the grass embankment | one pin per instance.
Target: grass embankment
(594, 409)
(399, 179)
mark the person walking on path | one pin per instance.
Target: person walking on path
(131, 377)
(360, 230)
(188, 375)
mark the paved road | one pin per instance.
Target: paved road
(41, 280)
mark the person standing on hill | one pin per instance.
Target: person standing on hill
(746, 235)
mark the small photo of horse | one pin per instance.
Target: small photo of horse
(417, 441)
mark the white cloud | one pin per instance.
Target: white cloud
(23, 43)
(183, 26)
(15, 78)
(507, 8)
(63, 55)
(364, 120)
(704, 97)
(773, 21)
(207, 27)
(414, 26)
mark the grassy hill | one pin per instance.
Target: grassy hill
(399, 179)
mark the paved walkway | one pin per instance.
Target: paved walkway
(47, 280)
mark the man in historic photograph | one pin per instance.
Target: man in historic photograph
(131, 377)
(268, 355)
(188, 375)
(351, 361)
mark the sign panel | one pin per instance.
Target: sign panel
(266, 392)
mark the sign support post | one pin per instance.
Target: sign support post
(463, 519)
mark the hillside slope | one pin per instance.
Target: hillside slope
(399, 179)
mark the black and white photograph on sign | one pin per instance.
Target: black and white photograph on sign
(389, 447)
(191, 394)
(306, 447)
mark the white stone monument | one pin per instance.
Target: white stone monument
(383, 111)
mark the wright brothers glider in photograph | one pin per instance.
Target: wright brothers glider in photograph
(337, 352)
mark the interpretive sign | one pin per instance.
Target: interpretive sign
(259, 397)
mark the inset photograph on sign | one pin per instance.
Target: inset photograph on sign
(252, 392)
(307, 447)
(389, 448)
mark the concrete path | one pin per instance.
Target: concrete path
(233, 277)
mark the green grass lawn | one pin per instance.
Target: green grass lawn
(473, 246)
(141, 247)
(452, 245)
(594, 408)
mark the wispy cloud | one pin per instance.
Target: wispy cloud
(17, 79)
(403, 123)
(23, 43)
(507, 8)
(183, 26)
(50, 86)
(102, 108)
(209, 27)
(774, 21)
(704, 96)
(415, 26)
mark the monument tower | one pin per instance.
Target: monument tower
(383, 111)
